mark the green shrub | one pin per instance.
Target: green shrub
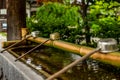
(57, 17)
(104, 20)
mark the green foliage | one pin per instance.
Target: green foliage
(104, 19)
(56, 17)
(32, 23)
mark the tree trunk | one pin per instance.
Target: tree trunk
(84, 16)
(16, 18)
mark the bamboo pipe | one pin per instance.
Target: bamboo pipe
(109, 58)
(15, 44)
(24, 32)
(8, 43)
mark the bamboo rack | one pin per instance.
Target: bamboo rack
(109, 58)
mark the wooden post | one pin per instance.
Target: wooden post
(16, 18)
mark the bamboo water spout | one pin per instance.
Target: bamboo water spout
(111, 58)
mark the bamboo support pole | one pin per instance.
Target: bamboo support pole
(24, 32)
(109, 58)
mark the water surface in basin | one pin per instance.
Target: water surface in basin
(52, 60)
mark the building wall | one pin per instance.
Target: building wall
(2, 15)
(30, 10)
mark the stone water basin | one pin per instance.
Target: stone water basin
(46, 61)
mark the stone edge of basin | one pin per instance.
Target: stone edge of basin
(16, 70)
